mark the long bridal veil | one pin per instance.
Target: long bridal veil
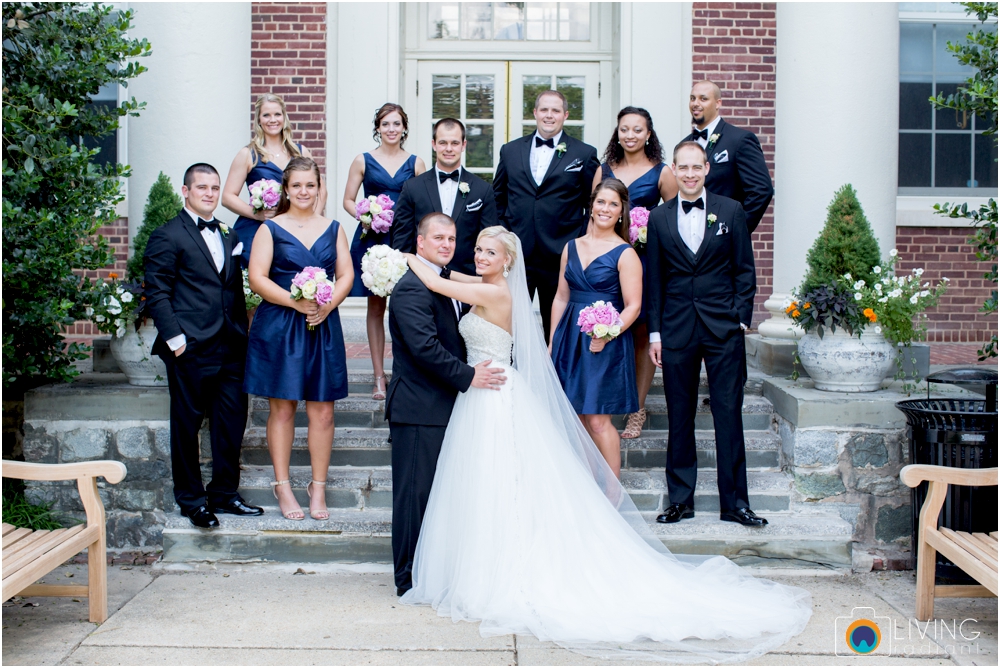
(724, 642)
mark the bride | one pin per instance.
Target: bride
(527, 530)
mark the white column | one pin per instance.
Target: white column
(837, 122)
(197, 94)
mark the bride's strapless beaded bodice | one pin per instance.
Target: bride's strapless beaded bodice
(485, 341)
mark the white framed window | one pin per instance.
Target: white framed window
(518, 21)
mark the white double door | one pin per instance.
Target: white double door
(495, 99)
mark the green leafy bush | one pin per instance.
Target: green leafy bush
(18, 511)
(846, 245)
(162, 205)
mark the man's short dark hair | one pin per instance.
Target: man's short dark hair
(689, 144)
(198, 168)
(434, 217)
(556, 93)
(448, 123)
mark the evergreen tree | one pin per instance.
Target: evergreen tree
(162, 205)
(846, 245)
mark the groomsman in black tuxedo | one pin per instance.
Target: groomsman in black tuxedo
(542, 187)
(739, 170)
(449, 189)
(702, 285)
(194, 292)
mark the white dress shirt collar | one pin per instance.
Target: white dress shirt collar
(430, 264)
(555, 139)
(710, 127)
(195, 217)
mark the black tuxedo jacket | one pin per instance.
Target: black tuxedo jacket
(548, 216)
(717, 284)
(472, 212)
(428, 356)
(184, 292)
(737, 170)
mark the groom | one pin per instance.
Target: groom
(428, 372)
(702, 285)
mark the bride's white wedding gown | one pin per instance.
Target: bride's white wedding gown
(518, 535)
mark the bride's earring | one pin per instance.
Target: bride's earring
(506, 271)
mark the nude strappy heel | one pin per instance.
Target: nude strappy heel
(320, 514)
(288, 515)
(378, 394)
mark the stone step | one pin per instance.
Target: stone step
(366, 447)
(363, 536)
(371, 488)
(365, 412)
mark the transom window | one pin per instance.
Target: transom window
(519, 21)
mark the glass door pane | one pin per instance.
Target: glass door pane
(577, 81)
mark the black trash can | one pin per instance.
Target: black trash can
(960, 433)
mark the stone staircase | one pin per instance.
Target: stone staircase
(359, 494)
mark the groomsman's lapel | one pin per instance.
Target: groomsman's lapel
(526, 155)
(720, 129)
(191, 228)
(711, 206)
(227, 254)
(432, 189)
(458, 208)
(557, 162)
(675, 233)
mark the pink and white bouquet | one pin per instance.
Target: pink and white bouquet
(375, 213)
(381, 268)
(311, 283)
(600, 320)
(639, 217)
(264, 194)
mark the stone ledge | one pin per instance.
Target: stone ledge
(776, 357)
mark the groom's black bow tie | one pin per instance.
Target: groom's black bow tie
(210, 224)
(445, 272)
(701, 134)
(544, 142)
(697, 204)
(442, 177)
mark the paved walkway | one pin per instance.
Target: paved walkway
(264, 615)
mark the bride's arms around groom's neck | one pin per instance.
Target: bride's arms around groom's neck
(466, 289)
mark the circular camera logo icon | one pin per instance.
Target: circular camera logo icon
(863, 636)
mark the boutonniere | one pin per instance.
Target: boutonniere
(463, 188)
(711, 141)
(712, 218)
(224, 229)
(561, 148)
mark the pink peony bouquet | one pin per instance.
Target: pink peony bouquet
(311, 283)
(639, 217)
(375, 213)
(265, 194)
(600, 320)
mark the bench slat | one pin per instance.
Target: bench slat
(51, 559)
(41, 547)
(14, 537)
(971, 545)
(21, 545)
(962, 591)
(961, 558)
(55, 590)
(989, 543)
(7, 528)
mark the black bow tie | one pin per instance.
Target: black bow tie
(445, 272)
(210, 224)
(545, 142)
(697, 204)
(701, 134)
(442, 177)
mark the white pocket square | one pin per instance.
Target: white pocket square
(574, 166)
(475, 206)
(723, 229)
(238, 249)
(723, 156)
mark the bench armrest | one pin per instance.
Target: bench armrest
(113, 472)
(914, 474)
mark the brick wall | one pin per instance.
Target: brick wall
(943, 251)
(734, 46)
(288, 58)
(117, 236)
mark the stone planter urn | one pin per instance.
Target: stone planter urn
(840, 362)
(132, 352)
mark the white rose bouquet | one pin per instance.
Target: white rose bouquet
(381, 269)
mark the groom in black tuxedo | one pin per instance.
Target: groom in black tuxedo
(194, 292)
(448, 189)
(428, 372)
(739, 170)
(702, 285)
(542, 186)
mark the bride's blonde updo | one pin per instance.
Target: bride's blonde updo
(507, 238)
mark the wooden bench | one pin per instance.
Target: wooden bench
(29, 555)
(974, 553)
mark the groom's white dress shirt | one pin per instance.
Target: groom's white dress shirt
(437, 270)
(214, 241)
(541, 157)
(447, 190)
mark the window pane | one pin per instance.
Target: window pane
(572, 88)
(952, 161)
(486, 176)
(986, 162)
(527, 130)
(915, 47)
(945, 61)
(914, 109)
(533, 85)
(951, 119)
(477, 20)
(574, 131)
(446, 95)
(914, 160)
(576, 17)
(542, 20)
(479, 96)
(108, 144)
(508, 20)
(479, 151)
(442, 20)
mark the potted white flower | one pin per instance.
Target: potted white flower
(119, 310)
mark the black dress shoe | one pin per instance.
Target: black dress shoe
(400, 591)
(203, 518)
(744, 516)
(675, 513)
(237, 507)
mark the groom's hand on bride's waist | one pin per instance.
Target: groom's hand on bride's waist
(487, 378)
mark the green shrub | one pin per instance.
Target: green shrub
(162, 205)
(846, 245)
(17, 510)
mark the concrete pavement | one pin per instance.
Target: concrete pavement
(343, 615)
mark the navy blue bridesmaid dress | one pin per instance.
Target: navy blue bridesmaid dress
(377, 182)
(284, 359)
(596, 383)
(247, 227)
(644, 192)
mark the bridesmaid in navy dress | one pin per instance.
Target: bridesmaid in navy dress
(286, 361)
(599, 376)
(265, 157)
(634, 156)
(381, 172)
